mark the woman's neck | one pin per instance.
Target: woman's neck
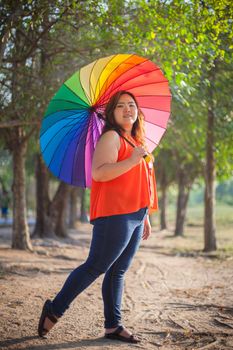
(128, 132)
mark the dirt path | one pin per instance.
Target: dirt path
(174, 302)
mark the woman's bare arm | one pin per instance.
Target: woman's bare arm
(104, 165)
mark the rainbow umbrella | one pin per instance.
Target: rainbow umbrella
(72, 123)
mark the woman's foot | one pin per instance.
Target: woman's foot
(120, 333)
(124, 332)
(47, 319)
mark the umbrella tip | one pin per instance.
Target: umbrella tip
(99, 115)
(93, 110)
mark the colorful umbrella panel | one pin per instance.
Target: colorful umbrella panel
(71, 126)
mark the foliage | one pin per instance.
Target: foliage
(43, 43)
(224, 192)
(5, 173)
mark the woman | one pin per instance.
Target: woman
(123, 189)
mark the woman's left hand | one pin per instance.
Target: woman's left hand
(147, 228)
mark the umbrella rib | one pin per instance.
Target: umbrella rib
(95, 127)
(84, 91)
(152, 108)
(76, 103)
(84, 134)
(91, 147)
(155, 142)
(146, 121)
(136, 76)
(52, 114)
(89, 124)
(123, 73)
(84, 131)
(88, 139)
(64, 136)
(112, 87)
(67, 125)
(67, 148)
(92, 91)
(153, 95)
(155, 109)
(75, 137)
(59, 121)
(75, 93)
(112, 72)
(140, 85)
(151, 140)
(155, 82)
(68, 109)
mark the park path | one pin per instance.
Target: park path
(173, 301)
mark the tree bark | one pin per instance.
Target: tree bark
(73, 207)
(45, 215)
(182, 201)
(58, 210)
(43, 227)
(210, 174)
(83, 213)
(20, 235)
(163, 201)
(17, 143)
(163, 206)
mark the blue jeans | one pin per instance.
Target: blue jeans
(114, 242)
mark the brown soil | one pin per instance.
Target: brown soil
(172, 300)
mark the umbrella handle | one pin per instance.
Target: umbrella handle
(147, 158)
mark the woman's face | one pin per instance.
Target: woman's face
(126, 112)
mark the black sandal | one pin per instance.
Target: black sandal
(116, 336)
(46, 313)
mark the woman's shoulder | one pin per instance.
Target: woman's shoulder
(110, 136)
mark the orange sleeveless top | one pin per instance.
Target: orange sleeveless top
(128, 192)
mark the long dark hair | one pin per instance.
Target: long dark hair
(110, 123)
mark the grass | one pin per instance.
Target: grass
(223, 214)
(193, 241)
(195, 215)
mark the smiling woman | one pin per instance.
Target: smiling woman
(126, 112)
(123, 114)
(123, 191)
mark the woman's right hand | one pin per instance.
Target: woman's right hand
(137, 154)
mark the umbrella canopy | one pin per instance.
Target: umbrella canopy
(71, 125)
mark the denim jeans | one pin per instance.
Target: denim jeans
(114, 242)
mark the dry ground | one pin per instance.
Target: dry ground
(175, 297)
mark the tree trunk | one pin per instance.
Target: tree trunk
(163, 205)
(182, 201)
(210, 173)
(43, 227)
(83, 214)
(73, 207)
(58, 210)
(20, 235)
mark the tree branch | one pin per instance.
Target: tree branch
(17, 123)
(34, 45)
(29, 134)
